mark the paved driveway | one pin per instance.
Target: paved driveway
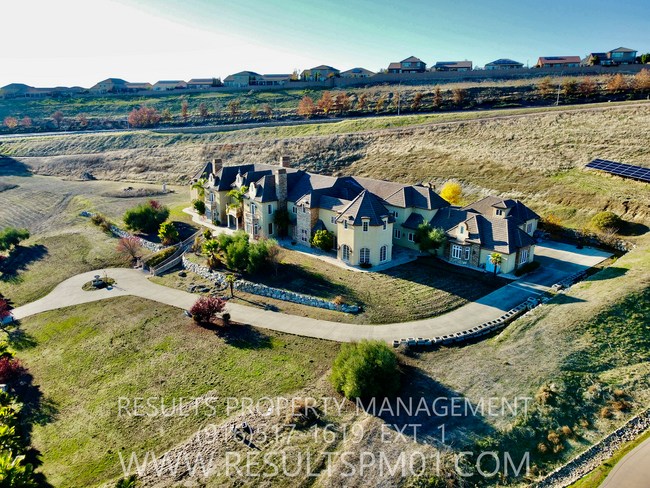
(559, 260)
(632, 470)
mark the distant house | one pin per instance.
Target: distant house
(558, 62)
(136, 87)
(274, 79)
(18, 90)
(109, 85)
(243, 78)
(615, 57)
(452, 66)
(409, 65)
(319, 73)
(504, 63)
(199, 83)
(357, 73)
(168, 85)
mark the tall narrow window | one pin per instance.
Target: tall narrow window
(364, 255)
(456, 251)
(270, 209)
(365, 226)
(383, 253)
(345, 253)
(467, 253)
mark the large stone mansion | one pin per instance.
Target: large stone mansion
(367, 217)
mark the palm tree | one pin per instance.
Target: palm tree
(199, 186)
(211, 248)
(230, 279)
(495, 259)
(238, 196)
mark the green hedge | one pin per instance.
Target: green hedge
(159, 257)
(527, 268)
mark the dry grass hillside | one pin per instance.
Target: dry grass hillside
(536, 157)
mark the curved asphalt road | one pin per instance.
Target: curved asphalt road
(558, 261)
(633, 471)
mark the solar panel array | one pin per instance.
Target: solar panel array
(620, 169)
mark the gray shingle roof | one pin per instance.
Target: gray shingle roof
(366, 205)
(518, 210)
(414, 221)
(496, 234)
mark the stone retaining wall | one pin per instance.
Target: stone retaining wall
(597, 454)
(122, 233)
(266, 291)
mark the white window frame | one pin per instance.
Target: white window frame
(345, 224)
(304, 208)
(394, 213)
(365, 226)
(468, 253)
(523, 257)
(498, 212)
(364, 255)
(270, 228)
(253, 208)
(345, 253)
(529, 227)
(294, 209)
(211, 197)
(303, 235)
(385, 224)
(270, 209)
(411, 236)
(332, 219)
(397, 234)
(456, 251)
(462, 229)
(383, 254)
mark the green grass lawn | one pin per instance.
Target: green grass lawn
(83, 358)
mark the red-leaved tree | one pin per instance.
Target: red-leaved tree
(129, 248)
(155, 204)
(144, 117)
(10, 369)
(205, 309)
(4, 309)
(11, 122)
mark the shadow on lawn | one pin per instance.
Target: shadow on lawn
(295, 278)
(245, 337)
(12, 167)
(18, 260)
(36, 410)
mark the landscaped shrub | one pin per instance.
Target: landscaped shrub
(365, 265)
(205, 309)
(10, 237)
(606, 220)
(146, 217)
(258, 253)
(199, 206)
(129, 248)
(159, 257)
(10, 369)
(551, 223)
(168, 233)
(237, 251)
(527, 268)
(429, 238)
(323, 239)
(364, 370)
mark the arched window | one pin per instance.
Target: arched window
(383, 253)
(345, 253)
(364, 255)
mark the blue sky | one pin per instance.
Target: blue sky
(79, 42)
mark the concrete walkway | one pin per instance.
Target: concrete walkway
(559, 261)
(632, 470)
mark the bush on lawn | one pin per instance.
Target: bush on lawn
(205, 309)
(237, 251)
(606, 220)
(159, 257)
(199, 206)
(146, 217)
(10, 237)
(168, 233)
(365, 265)
(364, 370)
(527, 268)
(10, 369)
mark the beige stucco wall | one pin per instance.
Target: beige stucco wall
(356, 239)
(402, 215)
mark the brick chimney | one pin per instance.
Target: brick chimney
(281, 187)
(285, 161)
(216, 165)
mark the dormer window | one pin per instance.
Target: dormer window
(345, 224)
(252, 189)
(304, 208)
(462, 229)
(498, 212)
(365, 226)
(385, 224)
